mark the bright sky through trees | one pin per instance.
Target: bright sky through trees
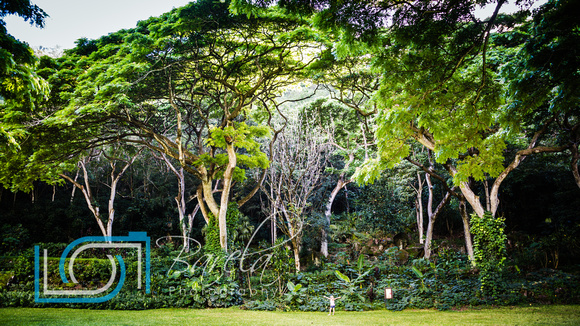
(507, 8)
(72, 19)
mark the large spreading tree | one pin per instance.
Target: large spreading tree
(197, 85)
(185, 85)
(442, 85)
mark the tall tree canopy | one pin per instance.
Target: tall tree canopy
(20, 86)
(185, 84)
(543, 75)
(441, 84)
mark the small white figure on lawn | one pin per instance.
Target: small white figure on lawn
(332, 304)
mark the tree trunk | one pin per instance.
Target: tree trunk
(97, 215)
(466, 231)
(432, 218)
(201, 204)
(112, 195)
(181, 207)
(180, 199)
(206, 183)
(296, 250)
(187, 230)
(72, 195)
(274, 212)
(273, 228)
(574, 163)
(294, 230)
(110, 224)
(341, 183)
(487, 196)
(111, 217)
(185, 226)
(228, 176)
(433, 214)
(473, 199)
(428, 238)
(328, 212)
(419, 209)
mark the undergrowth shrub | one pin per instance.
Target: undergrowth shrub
(447, 282)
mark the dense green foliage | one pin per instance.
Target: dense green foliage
(21, 87)
(244, 125)
(449, 282)
(489, 246)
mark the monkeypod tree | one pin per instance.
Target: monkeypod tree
(543, 76)
(441, 85)
(214, 75)
(185, 85)
(438, 90)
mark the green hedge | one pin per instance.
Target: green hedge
(450, 282)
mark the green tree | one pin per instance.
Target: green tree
(543, 75)
(20, 86)
(186, 85)
(346, 120)
(440, 85)
(347, 134)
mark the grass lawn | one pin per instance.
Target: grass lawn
(535, 315)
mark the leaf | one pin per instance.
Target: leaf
(360, 263)
(342, 276)
(417, 272)
(291, 286)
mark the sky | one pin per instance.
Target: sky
(73, 19)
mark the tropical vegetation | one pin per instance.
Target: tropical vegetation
(277, 152)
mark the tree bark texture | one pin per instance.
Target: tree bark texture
(328, 212)
(466, 231)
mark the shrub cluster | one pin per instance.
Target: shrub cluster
(207, 281)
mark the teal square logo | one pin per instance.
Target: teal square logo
(138, 241)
